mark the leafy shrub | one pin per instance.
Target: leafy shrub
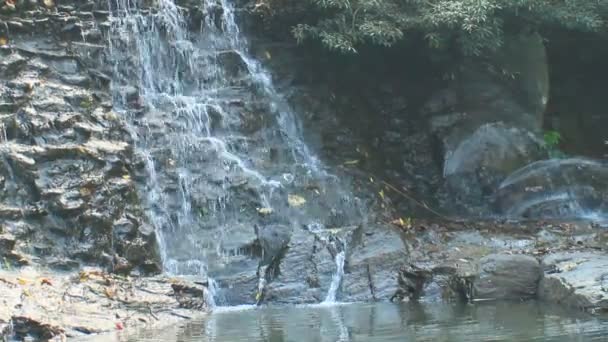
(474, 25)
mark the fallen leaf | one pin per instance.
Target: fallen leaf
(295, 200)
(46, 281)
(381, 193)
(22, 281)
(351, 162)
(268, 56)
(26, 293)
(109, 292)
(126, 177)
(119, 326)
(402, 223)
(265, 211)
(48, 3)
(3, 41)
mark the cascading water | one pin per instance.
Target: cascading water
(218, 143)
(336, 279)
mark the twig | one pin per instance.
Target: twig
(423, 205)
(152, 313)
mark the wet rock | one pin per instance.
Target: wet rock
(191, 296)
(576, 279)
(273, 239)
(373, 263)
(504, 276)
(7, 243)
(233, 63)
(24, 327)
(65, 162)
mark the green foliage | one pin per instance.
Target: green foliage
(552, 140)
(475, 25)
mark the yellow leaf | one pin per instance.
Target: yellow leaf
(351, 162)
(295, 200)
(126, 177)
(258, 296)
(265, 211)
(22, 281)
(26, 293)
(83, 276)
(381, 193)
(402, 223)
(3, 41)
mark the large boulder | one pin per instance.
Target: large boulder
(487, 121)
(475, 164)
(504, 276)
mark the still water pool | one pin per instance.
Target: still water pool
(529, 321)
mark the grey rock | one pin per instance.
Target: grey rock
(274, 239)
(504, 276)
(488, 125)
(7, 243)
(576, 279)
(476, 164)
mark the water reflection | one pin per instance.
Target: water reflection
(387, 322)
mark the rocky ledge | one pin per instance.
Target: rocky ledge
(48, 306)
(562, 263)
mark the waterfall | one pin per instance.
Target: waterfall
(336, 279)
(213, 135)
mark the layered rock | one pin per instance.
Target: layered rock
(66, 190)
(43, 306)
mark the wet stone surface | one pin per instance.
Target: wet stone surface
(65, 157)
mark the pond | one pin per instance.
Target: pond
(503, 321)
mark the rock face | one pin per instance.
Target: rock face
(304, 270)
(66, 191)
(487, 124)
